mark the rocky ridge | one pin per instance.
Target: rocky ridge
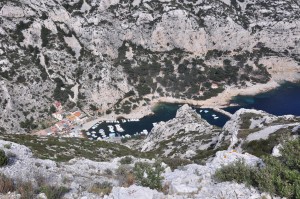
(189, 181)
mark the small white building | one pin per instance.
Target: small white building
(214, 86)
(57, 115)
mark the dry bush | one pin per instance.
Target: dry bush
(39, 179)
(101, 189)
(125, 176)
(6, 184)
(26, 190)
(130, 179)
(166, 188)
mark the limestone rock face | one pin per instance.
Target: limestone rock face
(250, 126)
(135, 192)
(197, 180)
(190, 181)
(82, 44)
(183, 136)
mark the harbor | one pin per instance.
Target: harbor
(111, 129)
(128, 128)
(281, 101)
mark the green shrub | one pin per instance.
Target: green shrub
(108, 172)
(53, 192)
(52, 109)
(45, 33)
(149, 175)
(246, 119)
(3, 158)
(291, 154)
(174, 163)
(279, 176)
(126, 160)
(7, 146)
(28, 124)
(238, 172)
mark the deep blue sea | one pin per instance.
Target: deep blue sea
(281, 101)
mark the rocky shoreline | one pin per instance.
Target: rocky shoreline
(222, 100)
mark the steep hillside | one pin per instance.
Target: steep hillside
(89, 53)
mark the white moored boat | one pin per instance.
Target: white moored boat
(119, 128)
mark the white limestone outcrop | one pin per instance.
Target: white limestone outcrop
(190, 181)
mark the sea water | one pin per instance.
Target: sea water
(280, 101)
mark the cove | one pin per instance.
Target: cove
(162, 112)
(280, 101)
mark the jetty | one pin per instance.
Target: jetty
(222, 111)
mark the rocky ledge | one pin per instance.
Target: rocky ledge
(190, 181)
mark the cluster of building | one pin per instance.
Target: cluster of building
(68, 124)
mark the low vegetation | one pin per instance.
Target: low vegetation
(149, 175)
(53, 192)
(6, 184)
(3, 158)
(246, 119)
(174, 163)
(126, 160)
(143, 173)
(101, 189)
(125, 176)
(28, 191)
(280, 176)
(203, 155)
(172, 73)
(55, 148)
(264, 147)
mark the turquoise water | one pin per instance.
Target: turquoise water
(281, 101)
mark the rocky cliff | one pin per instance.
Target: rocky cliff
(80, 175)
(258, 132)
(87, 52)
(190, 137)
(184, 136)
